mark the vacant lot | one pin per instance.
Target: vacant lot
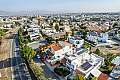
(115, 49)
(5, 49)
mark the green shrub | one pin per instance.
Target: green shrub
(62, 71)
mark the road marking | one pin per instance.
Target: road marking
(11, 59)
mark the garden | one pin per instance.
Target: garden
(62, 71)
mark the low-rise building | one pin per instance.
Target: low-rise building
(76, 41)
(92, 36)
(59, 50)
(84, 63)
(50, 32)
(33, 31)
(97, 37)
(103, 37)
(115, 74)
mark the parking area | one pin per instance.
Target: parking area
(36, 44)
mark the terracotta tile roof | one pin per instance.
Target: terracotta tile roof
(103, 77)
(55, 47)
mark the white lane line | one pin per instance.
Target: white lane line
(11, 51)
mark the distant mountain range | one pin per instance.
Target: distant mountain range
(35, 12)
(29, 13)
(24, 13)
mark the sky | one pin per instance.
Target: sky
(61, 5)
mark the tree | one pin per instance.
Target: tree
(28, 53)
(17, 23)
(26, 41)
(87, 45)
(61, 23)
(1, 32)
(20, 38)
(56, 40)
(107, 68)
(84, 34)
(49, 40)
(115, 24)
(51, 24)
(94, 78)
(109, 57)
(73, 30)
(97, 51)
(79, 77)
(66, 35)
(57, 27)
(38, 71)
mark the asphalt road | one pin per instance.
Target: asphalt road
(19, 68)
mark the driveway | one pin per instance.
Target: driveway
(48, 73)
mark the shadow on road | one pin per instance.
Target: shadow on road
(7, 62)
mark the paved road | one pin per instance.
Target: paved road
(19, 69)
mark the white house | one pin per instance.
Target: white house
(95, 37)
(103, 37)
(116, 60)
(85, 63)
(59, 50)
(77, 41)
(34, 35)
(48, 31)
(92, 36)
(34, 31)
(8, 26)
(67, 47)
(115, 74)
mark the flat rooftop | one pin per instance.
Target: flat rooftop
(89, 63)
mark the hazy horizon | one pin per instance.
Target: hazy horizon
(61, 5)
